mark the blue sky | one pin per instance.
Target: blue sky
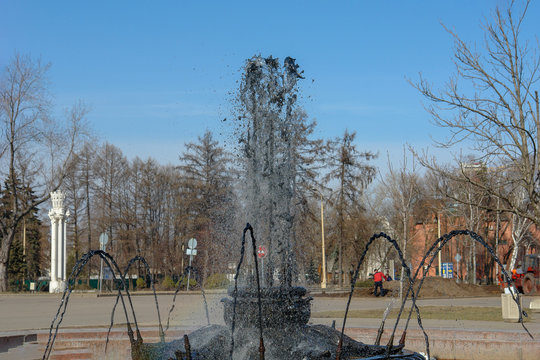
(157, 74)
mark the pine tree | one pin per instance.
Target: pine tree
(24, 255)
(17, 266)
(36, 148)
(208, 189)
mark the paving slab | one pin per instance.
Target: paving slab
(23, 315)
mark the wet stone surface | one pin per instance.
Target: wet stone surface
(281, 307)
(309, 342)
(286, 334)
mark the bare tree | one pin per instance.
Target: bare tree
(74, 190)
(519, 230)
(110, 172)
(86, 159)
(402, 186)
(34, 149)
(490, 101)
(475, 217)
(350, 169)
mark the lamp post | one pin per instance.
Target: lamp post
(323, 282)
(497, 222)
(438, 237)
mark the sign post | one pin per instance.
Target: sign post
(191, 251)
(458, 259)
(103, 240)
(261, 253)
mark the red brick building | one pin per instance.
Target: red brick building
(424, 234)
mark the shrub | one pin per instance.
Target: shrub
(167, 283)
(216, 281)
(15, 285)
(82, 286)
(183, 281)
(141, 284)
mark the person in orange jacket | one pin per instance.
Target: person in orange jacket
(378, 277)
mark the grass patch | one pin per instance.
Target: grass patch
(426, 312)
(364, 284)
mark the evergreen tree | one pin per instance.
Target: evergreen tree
(33, 245)
(17, 266)
(24, 255)
(208, 189)
(36, 148)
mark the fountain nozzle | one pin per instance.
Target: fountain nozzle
(261, 349)
(403, 336)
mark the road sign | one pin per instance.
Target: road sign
(447, 270)
(192, 244)
(103, 239)
(457, 257)
(261, 252)
(107, 273)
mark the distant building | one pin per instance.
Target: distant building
(425, 233)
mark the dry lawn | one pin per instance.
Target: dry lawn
(426, 312)
(436, 287)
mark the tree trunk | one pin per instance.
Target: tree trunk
(474, 262)
(517, 236)
(401, 278)
(515, 252)
(469, 265)
(4, 260)
(341, 206)
(76, 234)
(3, 276)
(88, 214)
(341, 256)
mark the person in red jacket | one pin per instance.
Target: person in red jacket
(378, 277)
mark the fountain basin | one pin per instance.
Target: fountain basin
(310, 342)
(477, 343)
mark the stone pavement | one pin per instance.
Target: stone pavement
(25, 313)
(36, 311)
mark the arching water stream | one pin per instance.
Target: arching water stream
(268, 322)
(293, 339)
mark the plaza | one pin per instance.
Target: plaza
(29, 314)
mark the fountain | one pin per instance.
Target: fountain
(282, 333)
(295, 340)
(271, 321)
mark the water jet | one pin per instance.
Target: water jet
(270, 322)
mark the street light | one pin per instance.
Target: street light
(438, 237)
(323, 283)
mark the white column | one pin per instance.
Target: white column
(53, 285)
(58, 250)
(53, 249)
(65, 250)
(62, 252)
(58, 243)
